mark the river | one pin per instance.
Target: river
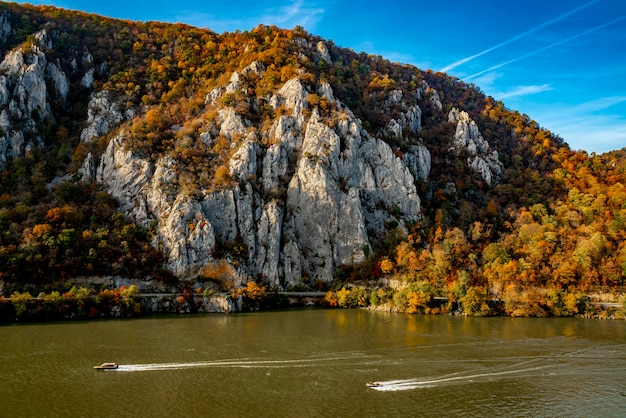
(315, 363)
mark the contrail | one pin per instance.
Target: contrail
(530, 54)
(521, 35)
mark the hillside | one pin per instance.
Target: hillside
(177, 156)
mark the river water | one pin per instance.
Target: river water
(315, 363)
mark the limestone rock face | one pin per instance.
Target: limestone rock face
(25, 99)
(231, 123)
(88, 79)
(59, 80)
(25, 83)
(468, 138)
(243, 164)
(126, 175)
(417, 160)
(5, 26)
(103, 114)
(322, 52)
(409, 118)
(88, 170)
(412, 119)
(319, 191)
(435, 100)
(30, 83)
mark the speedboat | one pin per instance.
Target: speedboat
(106, 366)
(373, 384)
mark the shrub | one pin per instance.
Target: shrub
(20, 302)
(475, 302)
(374, 298)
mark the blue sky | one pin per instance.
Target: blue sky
(561, 62)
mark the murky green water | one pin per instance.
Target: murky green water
(315, 363)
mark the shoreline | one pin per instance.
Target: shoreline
(70, 308)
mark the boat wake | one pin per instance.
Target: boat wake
(412, 384)
(561, 364)
(242, 363)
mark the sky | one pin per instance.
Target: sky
(561, 62)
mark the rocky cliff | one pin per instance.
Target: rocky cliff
(301, 207)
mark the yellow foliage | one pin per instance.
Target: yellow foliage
(252, 291)
(222, 175)
(331, 299)
(386, 266)
(153, 118)
(342, 297)
(382, 82)
(413, 301)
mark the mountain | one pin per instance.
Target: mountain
(175, 155)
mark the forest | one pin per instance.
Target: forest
(548, 239)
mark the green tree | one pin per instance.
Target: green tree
(20, 302)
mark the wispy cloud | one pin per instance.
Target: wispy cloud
(394, 56)
(524, 91)
(596, 125)
(600, 104)
(296, 13)
(591, 133)
(489, 84)
(288, 15)
(530, 54)
(487, 81)
(519, 36)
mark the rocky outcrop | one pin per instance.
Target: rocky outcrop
(322, 52)
(23, 100)
(124, 172)
(301, 206)
(59, 80)
(29, 83)
(23, 83)
(417, 160)
(5, 26)
(432, 95)
(468, 138)
(103, 114)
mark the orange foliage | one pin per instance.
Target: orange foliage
(40, 230)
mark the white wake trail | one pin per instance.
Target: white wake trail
(410, 384)
(243, 363)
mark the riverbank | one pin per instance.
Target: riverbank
(128, 301)
(80, 303)
(125, 302)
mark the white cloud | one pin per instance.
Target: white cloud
(286, 16)
(597, 105)
(587, 126)
(523, 91)
(295, 14)
(487, 81)
(593, 134)
(394, 56)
